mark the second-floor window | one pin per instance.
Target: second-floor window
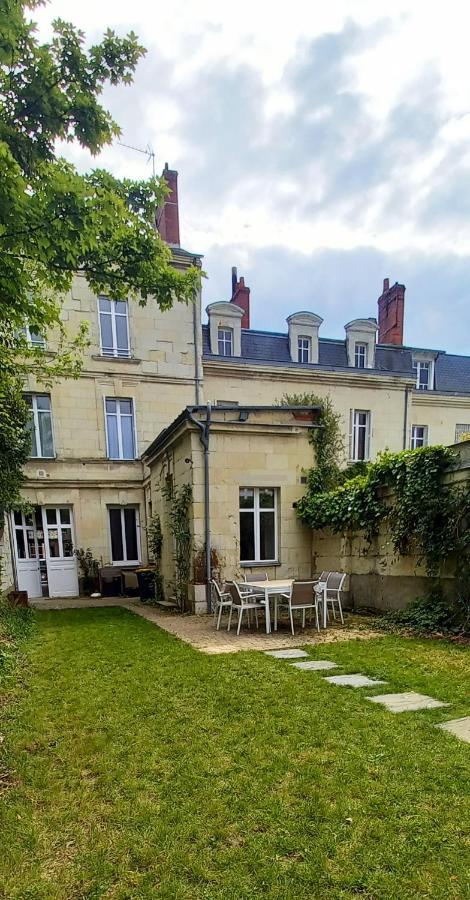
(360, 356)
(114, 327)
(423, 371)
(42, 440)
(462, 432)
(34, 338)
(419, 436)
(225, 341)
(360, 435)
(303, 349)
(120, 428)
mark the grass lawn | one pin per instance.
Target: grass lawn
(141, 768)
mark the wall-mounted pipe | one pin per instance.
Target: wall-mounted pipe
(204, 436)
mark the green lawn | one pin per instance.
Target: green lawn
(141, 768)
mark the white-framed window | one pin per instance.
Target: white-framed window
(360, 355)
(419, 436)
(303, 349)
(424, 372)
(114, 327)
(120, 428)
(34, 338)
(462, 433)
(258, 524)
(124, 534)
(40, 425)
(225, 341)
(360, 435)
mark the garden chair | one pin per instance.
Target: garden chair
(244, 602)
(332, 595)
(302, 597)
(220, 600)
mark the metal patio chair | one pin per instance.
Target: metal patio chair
(332, 595)
(220, 600)
(301, 597)
(243, 602)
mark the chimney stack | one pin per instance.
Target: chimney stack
(391, 313)
(241, 296)
(168, 215)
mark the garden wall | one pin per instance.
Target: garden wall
(377, 577)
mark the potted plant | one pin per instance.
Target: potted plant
(198, 594)
(88, 580)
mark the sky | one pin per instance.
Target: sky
(320, 147)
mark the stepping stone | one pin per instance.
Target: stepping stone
(314, 665)
(286, 654)
(356, 680)
(459, 727)
(406, 702)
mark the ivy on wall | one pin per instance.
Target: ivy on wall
(424, 513)
(179, 502)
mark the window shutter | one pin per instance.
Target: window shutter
(351, 434)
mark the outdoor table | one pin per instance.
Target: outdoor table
(279, 586)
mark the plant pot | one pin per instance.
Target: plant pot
(198, 599)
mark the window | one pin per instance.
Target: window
(225, 341)
(59, 532)
(114, 327)
(419, 436)
(360, 435)
(40, 425)
(34, 338)
(423, 371)
(123, 525)
(360, 356)
(120, 428)
(258, 524)
(462, 433)
(303, 349)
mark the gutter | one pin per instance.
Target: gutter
(405, 418)
(204, 435)
(197, 354)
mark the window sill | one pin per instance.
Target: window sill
(130, 360)
(260, 565)
(42, 458)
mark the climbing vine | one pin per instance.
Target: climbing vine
(155, 544)
(424, 513)
(179, 505)
(327, 440)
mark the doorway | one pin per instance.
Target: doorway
(44, 550)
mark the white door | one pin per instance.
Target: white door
(27, 553)
(62, 575)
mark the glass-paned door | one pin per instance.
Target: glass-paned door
(61, 561)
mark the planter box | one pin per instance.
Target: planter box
(197, 599)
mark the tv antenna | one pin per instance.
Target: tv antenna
(148, 152)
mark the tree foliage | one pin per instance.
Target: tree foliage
(55, 221)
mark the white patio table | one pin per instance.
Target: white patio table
(269, 588)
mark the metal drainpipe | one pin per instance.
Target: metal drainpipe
(405, 419)
(204, 435)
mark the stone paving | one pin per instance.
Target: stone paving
(200, 632)
(355, 680)
(295, 653)
(408, 701)
(459, 727)
(315, 665)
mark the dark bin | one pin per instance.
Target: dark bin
(146, 579)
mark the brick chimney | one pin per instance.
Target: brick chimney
(241, 296)
(167, 215)
(391, 305)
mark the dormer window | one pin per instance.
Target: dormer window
(423, 370)
(225, 341)
(360, 356)
(303, 349)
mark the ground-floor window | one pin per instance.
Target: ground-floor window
(258, 524)
(123, 529)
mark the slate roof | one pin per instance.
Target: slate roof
(452, 372)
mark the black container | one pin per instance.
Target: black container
(146, 579)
